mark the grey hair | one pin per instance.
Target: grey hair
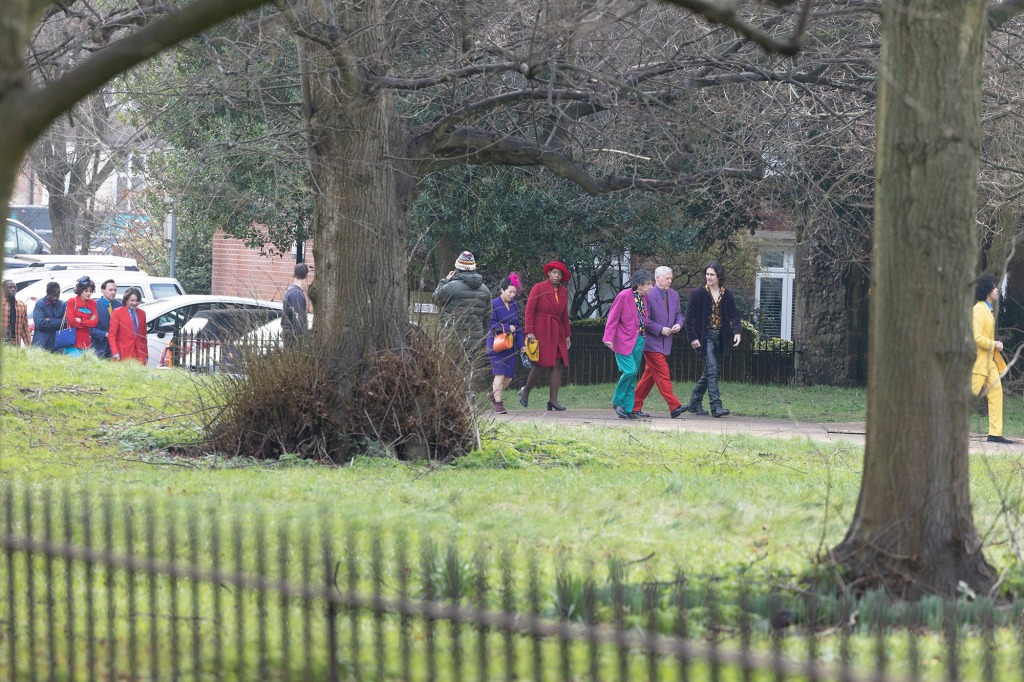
(640, 277)
(662, 270)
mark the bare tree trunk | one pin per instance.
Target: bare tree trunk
(445, 254)
(913, 530)
(64, 212)
(364, 186)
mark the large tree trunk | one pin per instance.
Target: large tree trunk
(913, 530)
(364, 185)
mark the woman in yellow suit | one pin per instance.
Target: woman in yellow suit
(989, 362)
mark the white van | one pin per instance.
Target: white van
(153, 288)
(49, 260)
(31, 269)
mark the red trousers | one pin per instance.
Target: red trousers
(655, 372)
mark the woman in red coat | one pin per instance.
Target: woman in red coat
(81, 316)
(547, 322)
(127, 333)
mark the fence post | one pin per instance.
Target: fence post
(331, 610)
(12, 605)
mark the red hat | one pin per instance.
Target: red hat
(558, 265)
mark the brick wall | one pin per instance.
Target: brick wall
(241, 271)
(27, 189)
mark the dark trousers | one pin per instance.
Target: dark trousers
(709, 379)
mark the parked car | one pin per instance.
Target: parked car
(21, 240)
(269, 335)
(165, 319)
(213, 340)
(35, 217)
(153, 288)
(259, 341)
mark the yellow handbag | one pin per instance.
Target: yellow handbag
(533, 350)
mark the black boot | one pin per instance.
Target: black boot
(697, 409)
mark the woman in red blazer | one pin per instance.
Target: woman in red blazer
(127, 336)
(81, 316)
(547, 321)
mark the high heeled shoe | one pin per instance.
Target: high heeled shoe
(555, 406)
(525, 402)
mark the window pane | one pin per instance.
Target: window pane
(772, 259)
(769, 312)
(164, 290)
(11, 241)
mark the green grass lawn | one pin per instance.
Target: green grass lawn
(572, 498)
(711, 503)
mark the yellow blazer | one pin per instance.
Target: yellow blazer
(984, 338)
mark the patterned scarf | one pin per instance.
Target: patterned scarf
(641, 310)
(12, 319)
(716, 309)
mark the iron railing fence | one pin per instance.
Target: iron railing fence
(103, 588)
(769, 362)
(590, 362)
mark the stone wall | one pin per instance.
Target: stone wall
(830, 325)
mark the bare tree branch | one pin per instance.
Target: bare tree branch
(44, 105)
(460, 114)
(726, 15)
(482, 147)
(436, 79)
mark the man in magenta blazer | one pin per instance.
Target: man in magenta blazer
(624, 334)
(666, 321)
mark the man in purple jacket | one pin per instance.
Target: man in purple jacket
(666, 320)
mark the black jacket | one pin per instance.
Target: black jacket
(465, 303)
(697, 319)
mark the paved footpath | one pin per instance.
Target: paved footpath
(828, 432)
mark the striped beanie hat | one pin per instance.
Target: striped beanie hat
(465, 261)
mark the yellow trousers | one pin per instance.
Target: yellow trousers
(994, 393)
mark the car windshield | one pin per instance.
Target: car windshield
(165, 290)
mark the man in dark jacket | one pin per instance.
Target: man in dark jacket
(710, 315)
(465, 303)
(106, 304)
(47, 316)
(294, 318)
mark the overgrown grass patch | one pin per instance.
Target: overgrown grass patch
(708, 502)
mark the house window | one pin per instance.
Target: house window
(775, 292)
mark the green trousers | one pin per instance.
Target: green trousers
(629, 365)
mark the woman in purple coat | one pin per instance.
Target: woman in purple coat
(504, 318)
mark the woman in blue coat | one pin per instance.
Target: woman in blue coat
(504, 318)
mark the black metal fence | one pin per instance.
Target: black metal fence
(590, 362)
(96, 588)
(770, 362)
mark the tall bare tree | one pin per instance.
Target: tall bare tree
(913, 529)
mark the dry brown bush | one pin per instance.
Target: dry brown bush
(407, 403)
